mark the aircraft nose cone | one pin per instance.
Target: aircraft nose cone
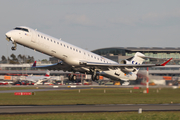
(8, 34)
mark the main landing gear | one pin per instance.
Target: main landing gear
(72, 77)
(95, 76)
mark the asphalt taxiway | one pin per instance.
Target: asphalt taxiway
(88, 108)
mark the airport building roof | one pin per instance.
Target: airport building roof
(155, 52)
(141, 49)
(124, 51)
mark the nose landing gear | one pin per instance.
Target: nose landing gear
(14, 47)
(13, 42)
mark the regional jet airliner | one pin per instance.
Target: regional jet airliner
(76, 59)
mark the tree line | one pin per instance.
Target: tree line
(17, 60)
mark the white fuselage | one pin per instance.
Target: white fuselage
(36, 78)
(69, 53)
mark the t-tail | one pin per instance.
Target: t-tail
(131, 63)
(138, 59)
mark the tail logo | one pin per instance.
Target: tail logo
(135, 63)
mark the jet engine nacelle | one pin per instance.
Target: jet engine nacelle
(127, 69)
(125, 62)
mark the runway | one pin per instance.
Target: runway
(69, 87)
(55, 87)
(45, 89)
(87, 108)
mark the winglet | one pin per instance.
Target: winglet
(163, 64)
(34, 64)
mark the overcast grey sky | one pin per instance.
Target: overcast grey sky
(94, 24)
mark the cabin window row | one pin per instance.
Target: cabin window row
(70, 48)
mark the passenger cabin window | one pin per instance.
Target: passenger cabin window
(23, 29)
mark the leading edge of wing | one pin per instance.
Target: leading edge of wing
(46, 66)
(125, 65)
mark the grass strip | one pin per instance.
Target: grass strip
(94, 96)
(96, 116)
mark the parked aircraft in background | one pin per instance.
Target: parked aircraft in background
(76, 59)
(34, 79)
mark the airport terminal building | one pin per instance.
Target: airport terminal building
(119, 53)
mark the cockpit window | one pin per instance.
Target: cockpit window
(23, 29)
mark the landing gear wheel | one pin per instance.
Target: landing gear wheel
(72, 77)
(15, 45)
(95, 77)
(13, 48)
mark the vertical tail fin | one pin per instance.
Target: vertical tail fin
(47, 73)
(137, 59)
(34, 64)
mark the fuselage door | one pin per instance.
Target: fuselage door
(33, 38)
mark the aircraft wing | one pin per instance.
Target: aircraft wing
(57, 66)
(91, 65)
(105, 66)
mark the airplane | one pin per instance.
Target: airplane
(75, 59)
(35, 79)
